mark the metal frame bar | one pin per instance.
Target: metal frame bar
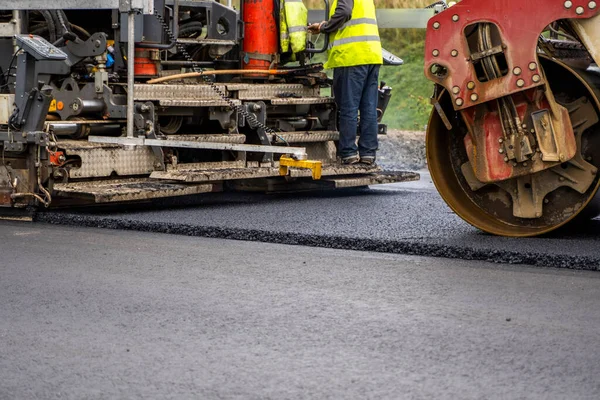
(130, 71)
(254, 148)
(387, 17)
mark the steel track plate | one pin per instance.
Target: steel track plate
(121, 190)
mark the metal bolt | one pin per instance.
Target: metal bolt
(459, 102)
(579, 10)
(455, 18)
(532, 130)
(524, 126)
(592, 5)
(471, 85)
(546, 201)
(532, 66)
(568, 4)
(474, 97)
(436, 25)
(562, 157)
(520, 83)
(514, 164)
(505, 159)
(435, 52)
(501, 151)
(536, 78)
(456, 90)
(500, 140)
(561, 179)
(524, 164)
(538, 214)
(454, 53)
(517, 70)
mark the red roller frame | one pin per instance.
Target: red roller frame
(520, 23)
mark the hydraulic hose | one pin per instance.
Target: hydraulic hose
(51, 26)
(220, 72)
(190, 28)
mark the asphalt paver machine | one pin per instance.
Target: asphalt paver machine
(108, 101)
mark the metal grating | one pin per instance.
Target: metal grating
(176, 92)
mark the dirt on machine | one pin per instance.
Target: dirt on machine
(115, 101)
(513, 141)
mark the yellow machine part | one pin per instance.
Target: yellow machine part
(286, 162)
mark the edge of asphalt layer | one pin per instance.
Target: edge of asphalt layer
(405, 246)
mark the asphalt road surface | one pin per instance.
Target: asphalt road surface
(95, 313)
(404, 218)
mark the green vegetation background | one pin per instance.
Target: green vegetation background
(409, 107)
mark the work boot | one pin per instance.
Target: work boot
(350, 160)
(367, 160)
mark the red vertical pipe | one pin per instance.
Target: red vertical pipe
(260, 34)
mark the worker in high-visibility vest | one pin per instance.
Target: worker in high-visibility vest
(355, 56)
(293, 18)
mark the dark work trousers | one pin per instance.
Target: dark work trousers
(355, 89)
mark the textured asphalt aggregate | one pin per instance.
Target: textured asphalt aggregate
(110, 314)
(404, 218)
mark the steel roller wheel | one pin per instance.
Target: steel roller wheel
(490, 208)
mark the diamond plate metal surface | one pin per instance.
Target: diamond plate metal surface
(304, 100)
(213, 165)
(337, 169)
(323, 151)
(217, 42)
(214, 138)
(177, 92)
(210, 175)
(102, 160)
(374, 179)
(196, 103)
(247, 91)
(306, 136)
(127, 190)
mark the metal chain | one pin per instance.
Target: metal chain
(251, 118)
(438, 3)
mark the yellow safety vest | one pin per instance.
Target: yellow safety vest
(284, 36)
(357, 41)
(293, 21)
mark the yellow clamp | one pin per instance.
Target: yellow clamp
(286, 162)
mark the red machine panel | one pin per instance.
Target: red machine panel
(260, 34)
(519, 23)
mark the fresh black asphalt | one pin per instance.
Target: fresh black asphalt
(404, 218)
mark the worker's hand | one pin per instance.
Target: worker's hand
(316, 27)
